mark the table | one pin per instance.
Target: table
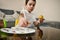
(20, 32)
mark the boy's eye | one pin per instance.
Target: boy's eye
(30, 4)
(34, 5)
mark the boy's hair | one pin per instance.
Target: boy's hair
(28, 0)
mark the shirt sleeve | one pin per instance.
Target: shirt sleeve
(23, 11)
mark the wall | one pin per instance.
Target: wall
(50, 9)
(12, 4)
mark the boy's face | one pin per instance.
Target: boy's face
(30, 5)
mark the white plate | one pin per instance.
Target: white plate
(5, 30)
(17, 30)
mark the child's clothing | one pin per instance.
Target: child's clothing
(28, 16)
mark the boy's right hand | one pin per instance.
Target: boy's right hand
(23, 22)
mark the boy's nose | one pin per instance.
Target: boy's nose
(32, 6)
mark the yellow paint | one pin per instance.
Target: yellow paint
(16, 22)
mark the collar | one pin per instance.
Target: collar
(26, 11)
